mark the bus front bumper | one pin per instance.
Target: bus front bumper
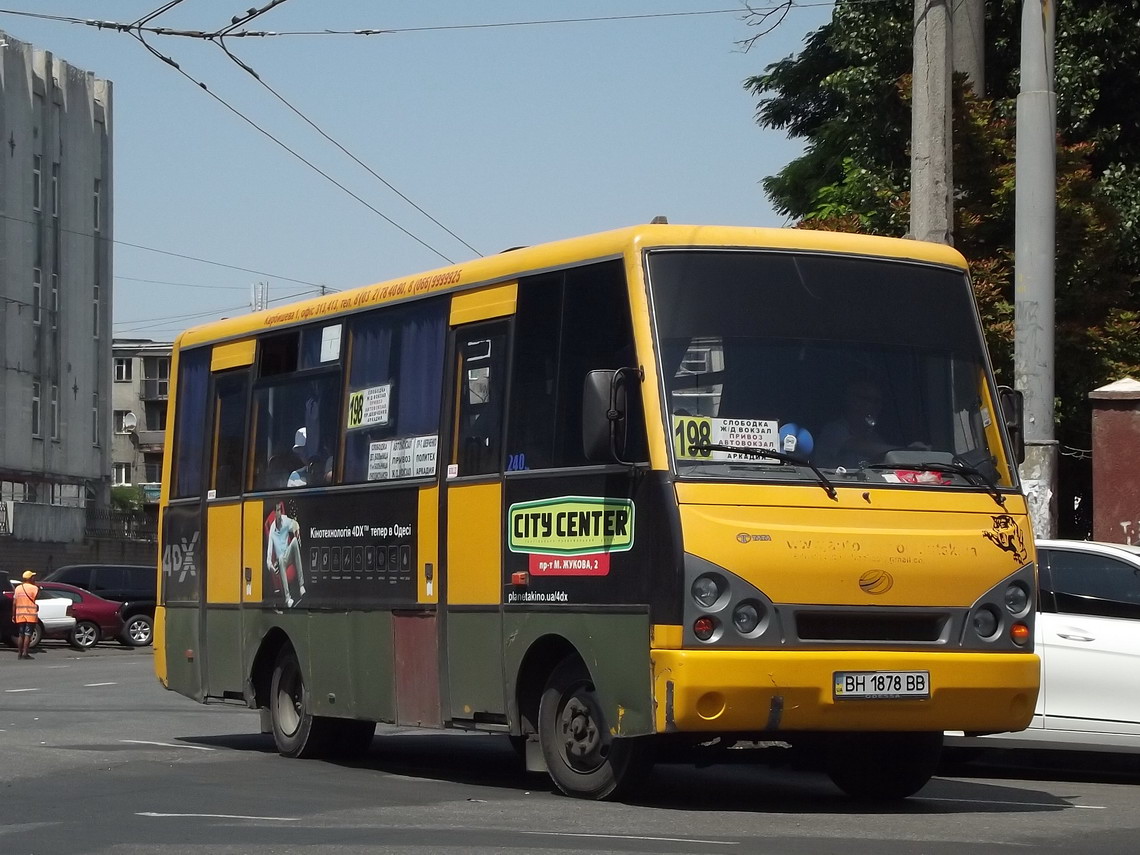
(738, 691)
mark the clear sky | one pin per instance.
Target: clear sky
(506, 135)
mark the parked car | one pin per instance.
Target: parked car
(133, 585)
(1088, 638)
(95, 618)
(55, 617)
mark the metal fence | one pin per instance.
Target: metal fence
(132, 525)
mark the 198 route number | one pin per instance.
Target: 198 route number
(850, 685)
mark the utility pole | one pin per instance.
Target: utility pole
(1035, 200)
(931, 158)
(968, 23)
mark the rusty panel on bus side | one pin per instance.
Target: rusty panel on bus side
(417, 669)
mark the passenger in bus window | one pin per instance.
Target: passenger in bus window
(278, 469)
(299, 477)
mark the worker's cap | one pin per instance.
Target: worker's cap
(299, 439)
(29, 574)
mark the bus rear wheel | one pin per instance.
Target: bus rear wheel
(582, 758)
(296, 731)
(883, 766)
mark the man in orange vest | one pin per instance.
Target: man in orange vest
(26, 612)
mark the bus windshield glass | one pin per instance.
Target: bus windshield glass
(871, 370)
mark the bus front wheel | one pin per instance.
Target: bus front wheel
(583, 759)
(296, 731)
(883, 766)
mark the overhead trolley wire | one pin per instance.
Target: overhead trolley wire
(173, 64)
(173, 254)
(245, 67)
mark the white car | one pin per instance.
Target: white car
(1088, 638)
(56, 619)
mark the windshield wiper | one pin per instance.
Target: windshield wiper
(971, 473)
(772, 454)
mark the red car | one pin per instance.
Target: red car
(95, 617)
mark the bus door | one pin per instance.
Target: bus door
(225, 582)
(471, 518)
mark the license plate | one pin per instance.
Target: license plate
(880, 685)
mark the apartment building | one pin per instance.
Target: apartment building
(55, 295)
(140, 386)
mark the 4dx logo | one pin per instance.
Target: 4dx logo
(179, 558)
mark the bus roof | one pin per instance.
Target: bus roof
(509, 265)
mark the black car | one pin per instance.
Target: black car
(134, 585)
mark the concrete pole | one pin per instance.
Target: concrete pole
(968, 22)
(931, 157)
(1035, 203)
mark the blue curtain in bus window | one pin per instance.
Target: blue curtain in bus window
(394, 385)
(190, 427)
(371, 362)
(421, 374)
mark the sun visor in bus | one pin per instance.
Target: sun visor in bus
(235, 354)
(484, 304)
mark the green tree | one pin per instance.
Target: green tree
(126, 498)
(847, 96)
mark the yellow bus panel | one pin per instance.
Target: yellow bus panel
(427, 545)
(223, 553)
(474, 544)
(235, 354)
(253, 547)
(484, 304)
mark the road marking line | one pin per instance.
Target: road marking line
(13, 691)
(1015, 804)
(167, 745)
(93, 685)
(221, 816)
(632, 837)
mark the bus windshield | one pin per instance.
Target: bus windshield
(872, 370)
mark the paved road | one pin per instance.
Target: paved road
(96, 757)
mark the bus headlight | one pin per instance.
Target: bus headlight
(707, 591)
(746, 617)
(986, 622)
(1016, 599)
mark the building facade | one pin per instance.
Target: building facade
(140, 385)
(55, 295)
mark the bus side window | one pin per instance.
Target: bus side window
(395, 385)
(190, 424)
(229, 426)
(483, 386)
(569, 323)
(296, 417)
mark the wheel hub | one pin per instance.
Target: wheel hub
(581, 737)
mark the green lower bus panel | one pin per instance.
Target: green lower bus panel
(183, 658)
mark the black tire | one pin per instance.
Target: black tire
(37, 636)
(296, 731)
(138, 631)
(883, 766)
(85, 635)
(582, 758)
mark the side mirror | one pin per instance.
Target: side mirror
(604, 414)
(1013, 409)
